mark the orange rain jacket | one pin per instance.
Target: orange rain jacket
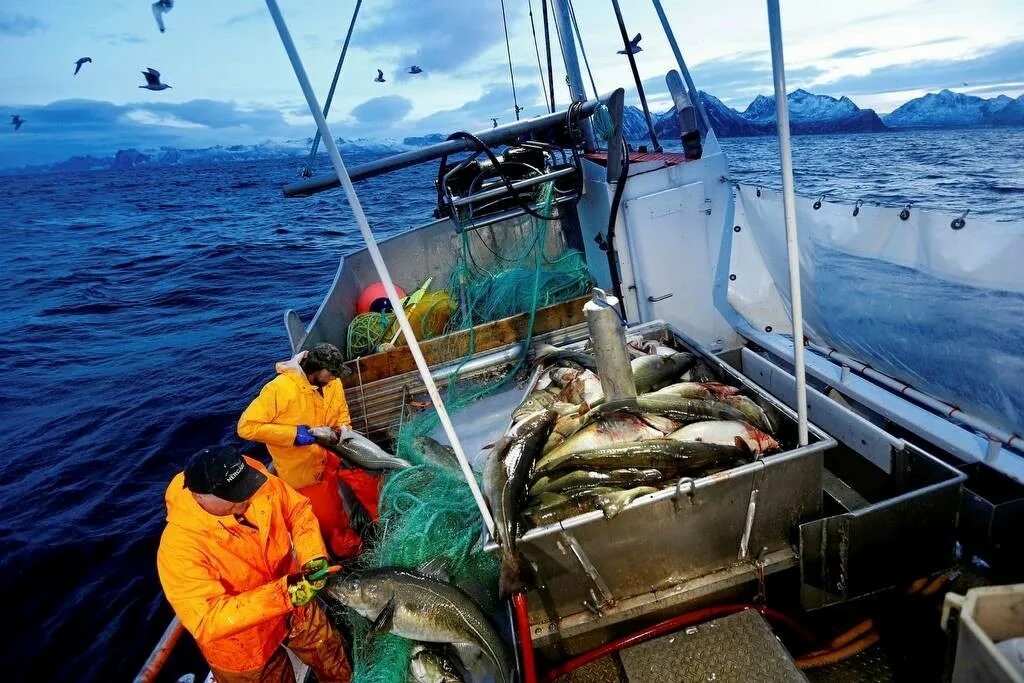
(286, 402)
(228, 582)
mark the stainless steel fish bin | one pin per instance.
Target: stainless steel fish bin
(668, 548)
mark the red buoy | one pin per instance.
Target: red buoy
(375, 299)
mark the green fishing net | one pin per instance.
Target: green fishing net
(428, 511)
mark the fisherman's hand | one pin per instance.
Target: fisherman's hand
(345, 433)
(303, 437)
(300, 591)
(325, 436)
(315, 572)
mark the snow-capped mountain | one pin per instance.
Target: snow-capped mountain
(809, 113)
(947, 109)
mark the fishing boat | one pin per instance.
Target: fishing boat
(899, 466)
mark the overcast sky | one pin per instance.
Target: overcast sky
(231, 82)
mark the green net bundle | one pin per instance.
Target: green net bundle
(427, 511)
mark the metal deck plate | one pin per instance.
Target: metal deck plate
(740, 647)
(869, 666)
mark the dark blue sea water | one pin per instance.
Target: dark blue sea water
(142, 310)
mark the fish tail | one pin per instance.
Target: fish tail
(513, 573)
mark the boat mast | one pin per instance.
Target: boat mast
(563, 24)
(378, 261)
(789, 209)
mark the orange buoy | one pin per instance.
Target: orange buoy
(375, 299)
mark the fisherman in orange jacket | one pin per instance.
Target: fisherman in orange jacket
(227, 565)
(307, 393)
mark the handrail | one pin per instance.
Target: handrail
(492, 136)
(158, 657)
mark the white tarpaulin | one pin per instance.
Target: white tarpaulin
(939, 308)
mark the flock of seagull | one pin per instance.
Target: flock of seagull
(152, 76)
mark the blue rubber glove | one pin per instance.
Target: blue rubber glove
(303, 437)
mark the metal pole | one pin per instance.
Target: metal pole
(158, 657)
(789, 209)
(378, 262)
(492, 136)
(694, 93)
(636, 75)
(563, 24)
(330, 93)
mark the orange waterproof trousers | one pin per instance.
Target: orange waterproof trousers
(313, 640)
(343, 542)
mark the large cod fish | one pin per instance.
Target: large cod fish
(505, 475)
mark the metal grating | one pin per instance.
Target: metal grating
(738, 648)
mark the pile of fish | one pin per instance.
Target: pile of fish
(569, 451)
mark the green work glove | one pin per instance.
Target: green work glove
(300, 591)
(315, 572)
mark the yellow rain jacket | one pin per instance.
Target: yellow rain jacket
(227, 582)
(286, 402)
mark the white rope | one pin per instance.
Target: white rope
(378, 260)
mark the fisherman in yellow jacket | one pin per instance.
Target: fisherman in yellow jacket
(240, 560)
(307, 393)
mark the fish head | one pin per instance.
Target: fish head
(365, 595)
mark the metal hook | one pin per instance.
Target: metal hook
(817, 204)
(690, 494)
(905, 213)
(959, 223)
(856, 207)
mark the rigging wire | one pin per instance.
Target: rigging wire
(307, 171)
(511, 73)
(547, 49)
(579, 39)
(636, 75)
(536, 49)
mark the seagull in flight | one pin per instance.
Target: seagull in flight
(494, 122)
(415, 69)
(634, 46)
(80, 62)
(160, 8)
(153, 80)
(380, 77)
(16, 121)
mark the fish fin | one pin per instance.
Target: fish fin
(436, 568)
(744, 447)
(382, 623)
(471, 657)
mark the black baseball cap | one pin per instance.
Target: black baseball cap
(222, 471)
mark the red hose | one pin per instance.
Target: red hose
(668, 626)
(529, 667)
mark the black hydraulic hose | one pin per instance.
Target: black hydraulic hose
(613, 257)
(636, 75)
(547, 48)
(523, 203)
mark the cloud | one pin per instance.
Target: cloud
(382, 111)
(120, 38)
(19, 25)
(851, 52)
(1004, 64)
(475, 115)
(440, 35)
(244, 18)
(60, 129)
